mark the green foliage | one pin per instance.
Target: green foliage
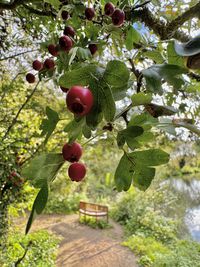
(92, 222)
(41, 249)
(147, 248)
(155, 254)
(43, 169)
(59, 204)
(48, 125)
(136, 166)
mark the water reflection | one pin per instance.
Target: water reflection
(190, 190)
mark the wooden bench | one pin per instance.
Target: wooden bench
(91, 209)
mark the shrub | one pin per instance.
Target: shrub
(64, 204)
(99, 224)
(147, 248)
(42, 250)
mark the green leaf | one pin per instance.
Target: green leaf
(48, 125)
(172, 56)
(116, 74)
(124, 173)
(153, 80)
(38, 205)
(141, 99)
(145, 120)
(170, 73)
(143, 177)
(150, 157)
(190, 48)
(128, 135)
(83, 53)
(155, 56)
(108, 103)
(54, 3)
(81, 76)
(133, 36)
(43, 168)
(74, 129)
(72, 53)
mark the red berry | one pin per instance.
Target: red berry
(77, 171)
(14, 174)
(65, 15)
(118, 17)
(109, 9)
(37, 65)
(69, 31)
(53, 50)
(65, 43)
(89, 13)
(30, 78)
(49, 63)
(65, 90)
(79, 100)
(72, 153)
(93, 48)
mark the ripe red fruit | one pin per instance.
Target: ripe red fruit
(65, 90)
(53, 50)
(79, 100)
(37, 65)
(109, 9)
(49, 63)
(30, 78)
(65, 15)
(118, 17)
(89, 13)
(69, 31)
(72, 153)
(65, 43)
(93, 48)
(77, 171)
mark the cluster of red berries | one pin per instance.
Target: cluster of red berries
(66, 41)
(15, 179)
(72, 153)
(117, 15)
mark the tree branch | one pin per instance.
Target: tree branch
(13, 4)
(187, 15)
(16, 55)
(39, 12)
(159, 27)
(137, 73)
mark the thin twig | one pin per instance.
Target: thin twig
(19, 54)
(19, 111)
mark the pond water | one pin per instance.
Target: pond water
(190, 191)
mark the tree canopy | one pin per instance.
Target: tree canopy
(138, 62)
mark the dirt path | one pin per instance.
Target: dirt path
(82, 246)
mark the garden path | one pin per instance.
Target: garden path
(82, 246)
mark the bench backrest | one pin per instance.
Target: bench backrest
(92, 206)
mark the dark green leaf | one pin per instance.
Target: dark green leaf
(133, 36)
(173, 58)
(74, 129)
(150, 157)
(43, 169)
(38, 205)
(143, 177)
(129, 135)
(81, 76)
(48, 125)
(124, 174)
(116, 74)
(141, 99)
